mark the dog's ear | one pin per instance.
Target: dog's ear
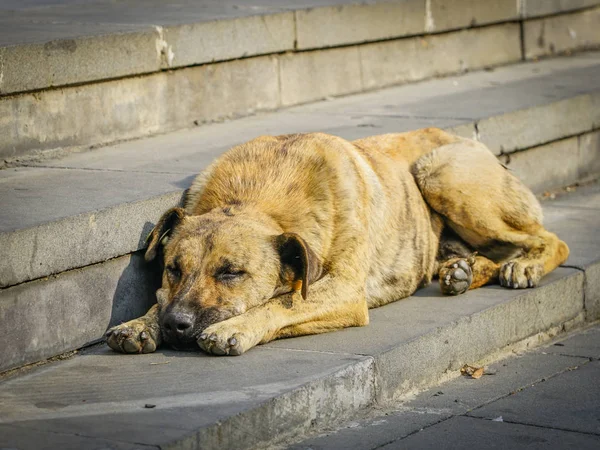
(298, 262)
(163, 229)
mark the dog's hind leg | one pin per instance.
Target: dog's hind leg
(491, 210)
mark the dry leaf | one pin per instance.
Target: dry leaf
(478, 373)
(473, 372)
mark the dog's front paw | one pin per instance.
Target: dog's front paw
(455, 276)
(135, 336)
(224, 338)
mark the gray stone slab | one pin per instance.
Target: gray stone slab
(504, 378)
(79, 241)
(107, 51)
(548, 166)
(13, 437)
(315, 75)
(585, 344)
(562, 33)
(558, 164)
(102, 394)
(329, 26)
(544, 404)
(44, 318)
(592, 292)
(449, 14)
(35, 196)
(371, 433)
(134, 107)
(437, 404)
(104, 39)
(429, 56)
(578, 227)
(468, 432)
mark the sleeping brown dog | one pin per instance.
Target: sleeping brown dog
(302, 234)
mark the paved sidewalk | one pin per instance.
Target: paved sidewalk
(547, 398)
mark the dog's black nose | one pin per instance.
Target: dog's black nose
(178, 325)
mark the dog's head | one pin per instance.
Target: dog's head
(222, 263)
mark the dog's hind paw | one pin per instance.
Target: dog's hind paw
(455, 276)
(520, 274)
(135, 336)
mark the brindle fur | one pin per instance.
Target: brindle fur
(302, 234)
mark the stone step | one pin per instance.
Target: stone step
(75, 75)
(278, 391)
(72, 228)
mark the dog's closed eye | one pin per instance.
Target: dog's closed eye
(173, 272)
(229, 273)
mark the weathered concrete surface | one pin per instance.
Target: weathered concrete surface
(472, 432)
(50, 316)
(200, 401)
(401, 61)
(576, 219)
(557, 164)
(562, 33)
(585, 344)
(127, 177)
(103, 39)
(134, 107)
(315, 75)
(422, 420)
(533, 8)
(108, 51)
(536, 405)
(329, 26)
(532, 126)
(80, 240)
(452, 14)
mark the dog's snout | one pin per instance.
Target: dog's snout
(178, 325)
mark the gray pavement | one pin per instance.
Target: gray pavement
(546, 398)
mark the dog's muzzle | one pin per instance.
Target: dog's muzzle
(178, 328)
(181, 329)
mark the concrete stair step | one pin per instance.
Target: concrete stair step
(71, 227)
(77, 74)
(100, 399)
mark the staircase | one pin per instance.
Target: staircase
(109, 109)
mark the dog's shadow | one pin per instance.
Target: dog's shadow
(136, 289)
